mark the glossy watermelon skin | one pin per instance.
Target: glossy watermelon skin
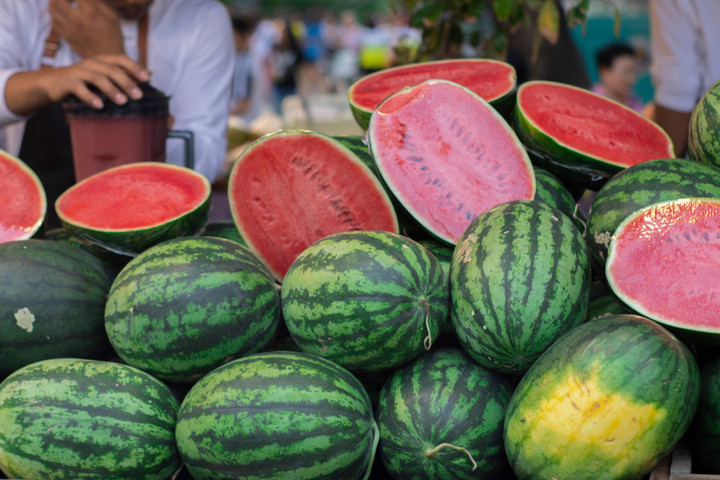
(183, 307)
(550, 190)
(368, 300)
(703, 143)
(704, 434)
(520, 278)
(607, 401)
(277, 415)
(443, 397)
(640, 186)
(52, 298)
(73, 419)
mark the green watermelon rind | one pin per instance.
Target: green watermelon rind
(502, 103)
(703, 143)
(186, 306)
(401, 197)
(554, 154)
(642, 185)
(550, 190)
(34, 228)
(612, 353)
(129, 242)
(287, 415)
(697, 333)
(87, 419)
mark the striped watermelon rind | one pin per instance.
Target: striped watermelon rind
(131, 241)
(550, 190)
(703, 143)
(277, 415)
(368, 300)
(520, 278)
(613, 383)
(443, 397)
(185, 306)
(74, 419)
(52, 297)
(640, 186)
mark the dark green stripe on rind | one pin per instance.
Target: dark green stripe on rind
(361, 299)
(643, 185)
(520, 278)
(550, 190)
(84, 419)
(443, 397)
(625, 356)
(186, 306)
(276, 415)
(52, 297)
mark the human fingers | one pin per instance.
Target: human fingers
(61, 13)
(115, 75)
(136, 70)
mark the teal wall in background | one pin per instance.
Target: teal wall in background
(634, 30)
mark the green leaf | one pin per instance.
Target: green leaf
(503, 9)
(617, 23)
(428, 12)
(537, 39)
(499, 42)
(549, 21)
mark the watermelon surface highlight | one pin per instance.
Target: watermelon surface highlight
(292, 188)
(22, 198)
(664, 262)
(493, 80)
(574, 128)
(448, 167)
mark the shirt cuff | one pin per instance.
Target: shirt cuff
(676, 96)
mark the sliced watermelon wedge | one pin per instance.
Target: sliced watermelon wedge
(664, 262)
(22, 197)
(574, 130)
(447, 156)
(129, 208)
(493, 80)
(291, 188)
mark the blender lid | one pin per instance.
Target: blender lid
(152, 103)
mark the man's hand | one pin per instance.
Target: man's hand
(117, 76)
(91, 27)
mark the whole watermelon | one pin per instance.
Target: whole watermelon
(277, 415)
(520, 278)
(368, 300)
(52, 297)
(704, 131)
(185, 306)
(607, 401)
(73, 419)
(441, 416)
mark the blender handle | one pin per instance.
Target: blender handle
(188, 138)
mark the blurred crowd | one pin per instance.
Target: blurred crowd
(319, 52)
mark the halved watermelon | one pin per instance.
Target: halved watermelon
(448, 156)
(493, 80)
(291, 188)
(664, 263)
(129, 208)
(22, 197)
(575, 131)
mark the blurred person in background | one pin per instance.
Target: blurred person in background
(242, 75)
(617, 68)
(285, 60)
(345, 41)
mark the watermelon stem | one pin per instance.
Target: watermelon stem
(430, 454)
(427, 342)
(376, 439)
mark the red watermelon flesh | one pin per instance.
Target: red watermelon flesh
(448, 156)
(22, 198)
(490, 79)
(134, 196)
(592, 124)
(292, 188)
(664, 262)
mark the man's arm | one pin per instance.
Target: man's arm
(676, 125)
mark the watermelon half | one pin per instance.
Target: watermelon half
(291, 188)
(22, 197)
(129, 208)
(493, 80)
(664, 263)
(573, 131)
(447, 167)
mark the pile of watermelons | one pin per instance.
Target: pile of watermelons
(426, 302)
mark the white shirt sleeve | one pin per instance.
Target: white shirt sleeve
(678, 66)
(200, 97)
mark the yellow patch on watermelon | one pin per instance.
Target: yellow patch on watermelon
(583, 424)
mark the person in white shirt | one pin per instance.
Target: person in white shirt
(685, 49)
(50, 49)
